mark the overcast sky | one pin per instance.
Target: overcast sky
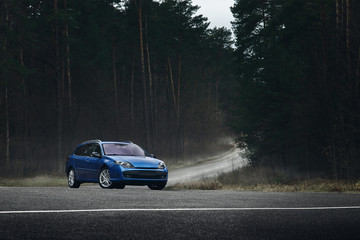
(217, 11)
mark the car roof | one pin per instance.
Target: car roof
(99, 141)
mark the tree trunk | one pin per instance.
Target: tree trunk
(7, 126)
(339, 13)
(116, 99)
(348, 39)
(324, 44)
(178, 88)
(142, 59)
(58, 87)
(357, 79)
(150, 81)
(132, 118)
(25, 112)
(6, 99)
(155, 105)
(68, 66)
(172, 87)
(217, 83)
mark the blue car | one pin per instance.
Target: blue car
(114, 165)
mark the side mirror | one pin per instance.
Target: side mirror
(153, 155)
(96, 154)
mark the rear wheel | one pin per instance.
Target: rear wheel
(73, 183)
(157, 186)
(104, 179)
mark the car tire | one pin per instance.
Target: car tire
(104, 179)
(72, 182)
(157, 186)
(119, 186)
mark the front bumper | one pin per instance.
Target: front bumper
(138, 176)
(144, 174)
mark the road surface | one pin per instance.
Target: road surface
(140, 213)
(224, 163)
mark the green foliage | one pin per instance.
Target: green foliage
(291, 110)
(73, 72)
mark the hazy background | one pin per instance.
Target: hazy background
(284, 83)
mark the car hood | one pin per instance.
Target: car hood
(138, 161)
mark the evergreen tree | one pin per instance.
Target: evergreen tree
(75, 70)
(293, 105)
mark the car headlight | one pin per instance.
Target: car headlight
(124, 164)
(161, 165)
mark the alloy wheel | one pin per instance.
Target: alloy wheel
(104, 178)
(72, 182)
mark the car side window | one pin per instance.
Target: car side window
(92, 147)
(89, 149)
(97, 149)
(80, 151)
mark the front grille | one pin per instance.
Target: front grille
(145, 174)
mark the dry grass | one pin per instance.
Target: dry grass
(315, 185)
(251, 179)
(40, 181)
(200, 185)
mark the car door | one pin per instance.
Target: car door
(93, 162)
(80, 161)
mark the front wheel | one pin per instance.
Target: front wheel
(119, 186)
(157, 186)
(73, 183)
(104, 179)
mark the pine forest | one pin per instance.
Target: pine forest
(283, 82)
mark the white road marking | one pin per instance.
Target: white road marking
(175, 210)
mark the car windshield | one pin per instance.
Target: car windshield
(114, 149)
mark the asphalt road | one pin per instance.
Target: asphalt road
(139, 213)
(224, 163)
